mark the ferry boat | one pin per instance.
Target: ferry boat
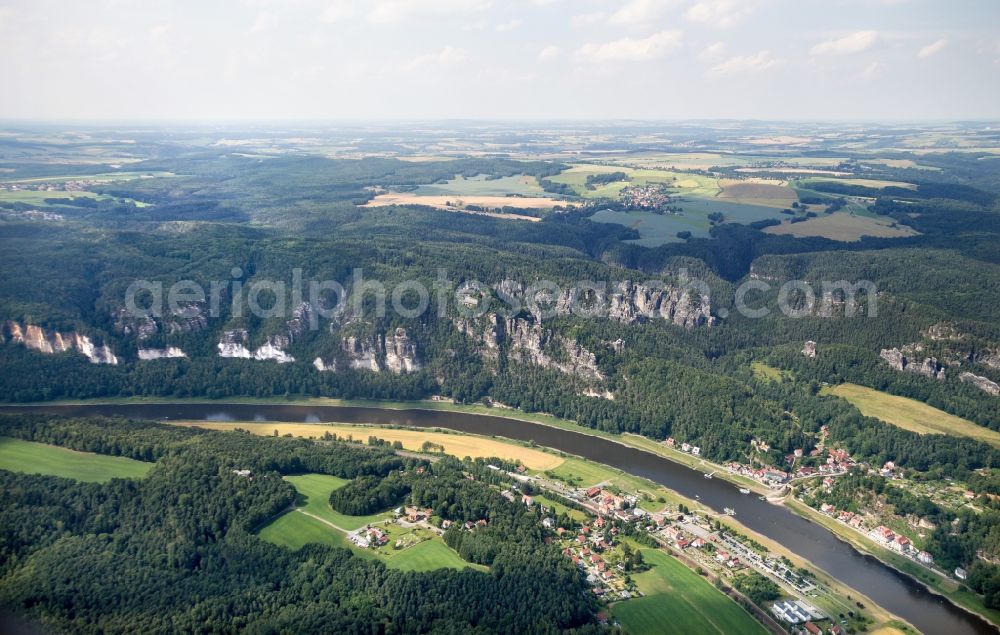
(744, 490)
(729, 511)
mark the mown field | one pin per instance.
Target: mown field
(842, 226)
(678, 600)
(910, 414)
(38, 458)
(454, 444)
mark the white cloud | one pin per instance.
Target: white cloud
(391, 11)
(721, 14)
(445, 57)
(157, 31)
(631, 49)
(6, 13)
(714, 51)
(933, 48)
(744, 64)
(509, 25)
(641, 11)
(337, 10)
(261, 23)
(587, 19)
(872, 71)
(549, 53)
(853, 43)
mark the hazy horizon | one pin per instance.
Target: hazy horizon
(482, 60)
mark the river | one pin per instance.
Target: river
(892, 590)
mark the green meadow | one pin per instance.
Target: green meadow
(38, 458)
(677, 600)
(308, 523)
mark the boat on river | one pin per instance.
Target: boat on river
(744, 490)
(729, 511)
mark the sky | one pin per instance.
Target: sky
(500, 59)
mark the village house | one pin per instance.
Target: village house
(925, 557)
(685, 447)
(827, 508)
(902, 544)
(695, 450)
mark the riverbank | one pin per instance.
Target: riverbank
(575, 471)
(634, 444)
(946, 588)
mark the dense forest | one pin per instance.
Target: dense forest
(124, 555)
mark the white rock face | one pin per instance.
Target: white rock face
(401, 353)
(234, 345)
(272, 350)
(809, 349)
(161, 353)
(37, 338)
(324, 366)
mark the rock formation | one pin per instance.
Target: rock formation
(809, 349)
(528, 342)
(929, 367)
(37, 338)
(982, 383)
(234, 345)
(161, 353)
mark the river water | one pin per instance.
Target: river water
(890, 589)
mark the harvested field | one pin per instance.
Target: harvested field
(842, 226)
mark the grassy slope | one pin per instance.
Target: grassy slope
(910, 414)
(680, 601)
(37, 458)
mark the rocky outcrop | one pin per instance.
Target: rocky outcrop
(929, 367)
(37, 338)
(982, 383)
(234, 345)
(401, 353)
(300, 322)
(396, 353)
(942, 331)
(631, 303)
(161, 353)
(528, 342)
(188, 318)
(809, 349)
(989, 358)
(362, 352)
(894, 357)
(626, 302)
(325, 365)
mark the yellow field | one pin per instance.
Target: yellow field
(459, 445)
(451, 203)
(843, 227)
(910, 414)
